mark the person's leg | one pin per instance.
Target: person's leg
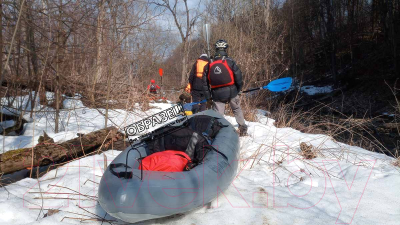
(202, 106)
(195, 98)
(235, 106)
(219, 107)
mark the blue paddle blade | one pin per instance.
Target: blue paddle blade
(188, 106)
(282, 84)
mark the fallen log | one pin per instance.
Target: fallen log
(48, 153)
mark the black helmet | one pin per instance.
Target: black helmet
(221, 45)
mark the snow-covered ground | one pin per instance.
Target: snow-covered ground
(274, 185)
(74, 118)
(312, 90)
(6, 124)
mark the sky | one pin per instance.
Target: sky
(167, 21)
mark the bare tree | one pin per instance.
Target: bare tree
(185, 29)
(100, 47)
(1, 42)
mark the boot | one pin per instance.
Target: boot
(242, 130)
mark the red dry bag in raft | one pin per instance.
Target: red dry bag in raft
(169, 160)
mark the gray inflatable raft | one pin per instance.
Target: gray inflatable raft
(148, 195)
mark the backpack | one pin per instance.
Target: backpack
(220, 74)
(194, 138)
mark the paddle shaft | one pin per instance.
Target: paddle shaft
(278, 85)
(195, 103)
(253, 89)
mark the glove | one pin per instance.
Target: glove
(188, 87)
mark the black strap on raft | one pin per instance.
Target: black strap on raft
(212, 148)
(189, 164)
(120, 174)
(223, 155)
(140, 163)
(125, 174)
(192, 145)
(207, 134)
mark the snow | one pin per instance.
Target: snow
(72, 103)
(389, 115)
(74, 118)
(6, 124)
(274, 185)
(312, 90)
(20, 103)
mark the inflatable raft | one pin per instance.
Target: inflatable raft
(133, 195)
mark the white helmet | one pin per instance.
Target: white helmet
(221, 44)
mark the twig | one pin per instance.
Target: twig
(90, 181)
(71, 190)
(57, 193)
(37, 178)
(98, 151)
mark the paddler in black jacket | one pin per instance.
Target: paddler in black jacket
(225, 80)
(198, 83)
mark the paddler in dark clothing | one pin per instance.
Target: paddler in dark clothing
(226, 81)
(197, 86)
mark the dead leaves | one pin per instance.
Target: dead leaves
(307, 151)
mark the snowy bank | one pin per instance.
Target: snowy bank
(312, 90)
(274, 185)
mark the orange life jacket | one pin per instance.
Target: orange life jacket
(220, 74)
(200, 67)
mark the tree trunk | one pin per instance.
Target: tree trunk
(331, 37)
(99, 61)
(57, 91)
(57, 96)
(1, 42)
(30, 37)
(45, 154)
(184, 63)
(108, 91)
(111, 51)
(392, 36)
(351, 10)
(383, 14)
(267, 12)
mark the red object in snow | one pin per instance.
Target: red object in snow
(169, 160)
